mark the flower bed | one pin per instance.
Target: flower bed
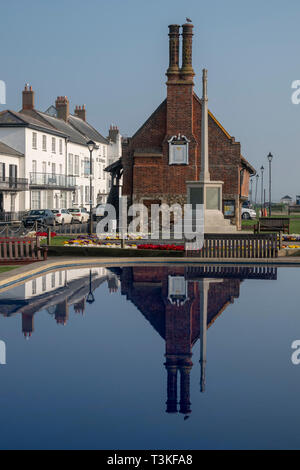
(92, 241)
(149, 246)
(44, 234)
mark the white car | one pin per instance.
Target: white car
(248, 213)
(62, 216)
(79, 214)
(98, 211)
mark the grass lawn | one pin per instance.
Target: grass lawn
(246, 225)
(294, 223)
(59, 240)
(7, 268)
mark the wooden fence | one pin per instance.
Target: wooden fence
(237, 246)
(21, 250)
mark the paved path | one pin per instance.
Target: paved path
(26, 272)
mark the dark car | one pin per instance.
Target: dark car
(41, 216)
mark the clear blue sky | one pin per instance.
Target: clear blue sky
(112, 56)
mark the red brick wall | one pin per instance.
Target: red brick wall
(153, 177)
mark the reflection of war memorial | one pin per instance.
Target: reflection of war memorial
(181, 304)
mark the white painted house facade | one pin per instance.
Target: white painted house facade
(50, 152)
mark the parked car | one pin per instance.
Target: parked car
(247, 205)
(98, 211)
(248, 213)
(79, 214)
(41, 216)
(62, 216)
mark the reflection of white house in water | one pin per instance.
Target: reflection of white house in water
(50, 282)
(56, 292)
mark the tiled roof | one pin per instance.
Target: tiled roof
(86, 129)
(66, 128)
(6, 150)
(12, 118)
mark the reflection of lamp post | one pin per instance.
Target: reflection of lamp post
(270, 158)
(90, 297)
(91, 146)
(262, 185)
(257, 176)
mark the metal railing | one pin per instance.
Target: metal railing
(52, 180)
(12, 216)
(13, 184)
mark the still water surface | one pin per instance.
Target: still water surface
(163, 357)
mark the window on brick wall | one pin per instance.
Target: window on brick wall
(60, 147)
(53, 145)
(178, 150)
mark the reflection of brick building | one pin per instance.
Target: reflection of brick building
(150, 175)
(178, 324)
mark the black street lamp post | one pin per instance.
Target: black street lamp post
(90, 297)
(257, 176)
(262, 185)
(91, 146)
(270, 158)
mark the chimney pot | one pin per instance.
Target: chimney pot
(27, 98)
(173, 70)
(62, 107)
(187, 72)
(80, 112)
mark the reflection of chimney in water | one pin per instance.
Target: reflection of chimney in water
(172, 387)
(27, 325)
(112, 283)
(62, 312)
(185, 404)
(79, 307)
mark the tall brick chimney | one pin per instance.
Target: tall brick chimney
(27, 97)
(186, 71)
(180, 83)
(113, 133)
(173, 70)
(80, 112)
(62, 107)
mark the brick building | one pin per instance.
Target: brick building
(177, 322)
(151, 174)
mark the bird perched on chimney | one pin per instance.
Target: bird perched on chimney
(188, 20)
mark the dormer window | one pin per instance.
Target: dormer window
(178, 150)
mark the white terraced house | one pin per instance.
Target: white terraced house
(45, 161)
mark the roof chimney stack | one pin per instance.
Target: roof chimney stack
(113, 133)
(173, 70)
(62, 107)
(80, 112)
(27, 98)
(187, 72)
